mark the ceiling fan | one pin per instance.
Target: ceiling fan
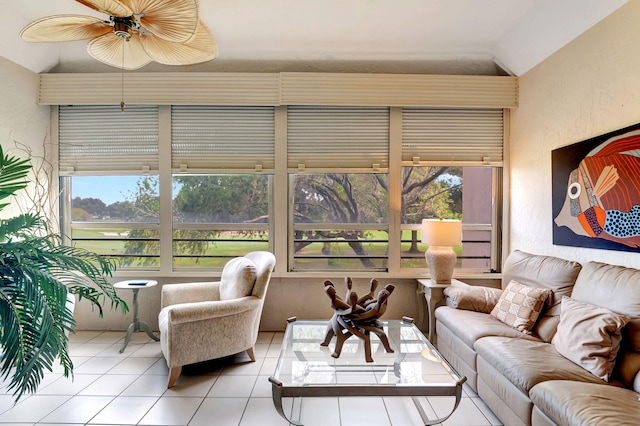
(137, 32)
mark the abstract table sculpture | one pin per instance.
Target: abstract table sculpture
(354, 316)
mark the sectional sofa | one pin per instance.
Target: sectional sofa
(558, 344)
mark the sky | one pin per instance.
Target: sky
(109, 189)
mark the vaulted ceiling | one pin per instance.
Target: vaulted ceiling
(487, 37)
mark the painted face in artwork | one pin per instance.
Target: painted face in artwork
(603, 193)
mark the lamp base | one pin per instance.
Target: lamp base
(441, 261)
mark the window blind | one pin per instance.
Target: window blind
(337, 137)
(103, 139)
(222, 137)
(452, 135)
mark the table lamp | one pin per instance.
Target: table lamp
(441, 235)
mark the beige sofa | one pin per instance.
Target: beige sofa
(578, 365)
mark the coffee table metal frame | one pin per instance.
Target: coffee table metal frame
(452, 387)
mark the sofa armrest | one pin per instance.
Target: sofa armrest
(472, 298)
(173, 294)
(192, 312)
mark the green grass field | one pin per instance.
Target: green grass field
(103, 241)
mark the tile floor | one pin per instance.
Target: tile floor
(110, 388)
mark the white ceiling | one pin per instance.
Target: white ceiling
(399, 36)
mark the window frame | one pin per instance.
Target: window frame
(281, 227)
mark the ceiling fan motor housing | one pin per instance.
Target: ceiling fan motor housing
(123, 27)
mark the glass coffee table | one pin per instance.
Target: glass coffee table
(414, 369)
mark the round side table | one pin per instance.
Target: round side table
(136, 325)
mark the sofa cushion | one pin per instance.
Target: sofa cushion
(472, 298)
(519, 305)
(574, 403)
(558, 275)
(470, 326)
(238, 277)
(526, 363)
(589, 336)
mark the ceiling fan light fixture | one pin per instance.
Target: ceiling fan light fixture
(123, 27)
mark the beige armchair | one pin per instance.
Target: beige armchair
(208, 320)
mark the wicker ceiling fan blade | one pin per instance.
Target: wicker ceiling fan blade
(171, 20)
(65, 28)
(115, 51)
(110, 7)
(200, 48)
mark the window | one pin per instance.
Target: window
(185, 188)
(115, 216)
(447, 192)
(217, 217)
(340, 221)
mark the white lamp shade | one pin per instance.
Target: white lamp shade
(442, 232)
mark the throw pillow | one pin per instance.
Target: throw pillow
(520, 305)
(470, 298)
(238, 277)
(589, 336)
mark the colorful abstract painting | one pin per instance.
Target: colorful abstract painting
(596, 192)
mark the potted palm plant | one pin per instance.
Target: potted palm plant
(37, 273)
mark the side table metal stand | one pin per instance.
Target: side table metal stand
(136, 324)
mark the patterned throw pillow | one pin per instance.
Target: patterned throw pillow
(519, 306)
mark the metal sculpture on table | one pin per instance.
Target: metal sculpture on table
(357, 316)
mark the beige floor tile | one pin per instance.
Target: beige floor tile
(369, 411)
(495, 421)
(191, 386)
(274, 350)
(158, 367)
(49, 378)
(220, 411)
(261, 412)
(97, 365)
(149, 350)
(320, 411)
(125, 388)
(110, 337)
(260, 349)
(82, 336)
(269, 366)
(125, 410)
(262, 388)
(402, 411)
(147, 385)
(265, 337)
(249, 368)
(172, 411)
(467, 414)
(133, 365)
(232, 387)
(33, 408)
(78, 409)
(109, 385)
(87, 349)
(67, 385)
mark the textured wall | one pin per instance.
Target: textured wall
(588, 88)
(21, 119)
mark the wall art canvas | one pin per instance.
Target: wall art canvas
(596, 192)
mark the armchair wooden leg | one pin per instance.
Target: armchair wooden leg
(174, 373)
(251, 354)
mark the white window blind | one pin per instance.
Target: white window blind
(338, 137)
(103, 139)
(452, 135)
(222, 137)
